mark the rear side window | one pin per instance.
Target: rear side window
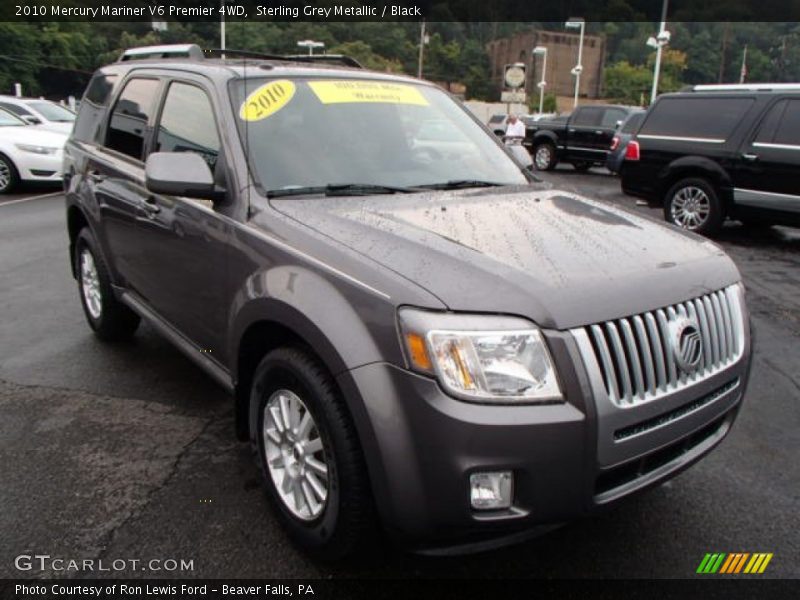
(766, 131)
(128, 126)
(187, 124)
(712, 119)
(789, 130)
(14, 108)
(90, 115)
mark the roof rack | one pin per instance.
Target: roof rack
(194, 52)
(746, 87)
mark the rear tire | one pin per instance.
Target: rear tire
(108, 317)
(337, 522)
(544, 156)
(693, 204)
(9, 176)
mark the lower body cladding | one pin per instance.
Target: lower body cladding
(566, 460)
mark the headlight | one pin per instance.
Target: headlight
(483, 358)
(36, 149)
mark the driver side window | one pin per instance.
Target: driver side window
(187, 124)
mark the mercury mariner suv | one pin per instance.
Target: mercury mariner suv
(416, 331)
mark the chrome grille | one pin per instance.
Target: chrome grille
(635, 356)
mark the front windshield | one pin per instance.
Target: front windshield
(9, 120)
(53, 112)
(304, 133)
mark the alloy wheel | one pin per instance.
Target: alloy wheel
(5, 175)
(295, 455)
(690, 208)
(90, 285)
(543, 157)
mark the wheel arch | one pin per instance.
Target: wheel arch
(545, 136)
(700, 167)
(76, 220)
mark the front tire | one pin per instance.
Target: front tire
(693, 204)
(310, 455)
(9, 176)
(108, 317)
(544, 156)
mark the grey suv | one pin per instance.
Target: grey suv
(436, 343)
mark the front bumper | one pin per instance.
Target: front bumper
(421, 446)
(39, 167)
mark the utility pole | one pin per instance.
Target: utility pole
(421, 49)
(725, 33)
(661, 40)
(222, 29)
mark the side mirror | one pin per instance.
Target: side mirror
(180, 174)
(522, 155)
(31, 120)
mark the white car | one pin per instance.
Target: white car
(28, 152)
(47, 114)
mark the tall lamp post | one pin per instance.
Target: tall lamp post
(541, 51)
(311, 44)
(658, 42)
(577, 23)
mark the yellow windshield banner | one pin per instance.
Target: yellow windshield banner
(267, 100)
(337, 92)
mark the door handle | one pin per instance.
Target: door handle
(96, 176)
(151, 206)
(599, 131)
(749, 157)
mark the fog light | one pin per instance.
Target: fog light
(490, 491)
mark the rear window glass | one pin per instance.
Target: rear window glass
(693, 117)
(633, 122)
(789, 129)
(588, 117)
(90, 115)
(14, 108)
(128, 125)
(611, 117)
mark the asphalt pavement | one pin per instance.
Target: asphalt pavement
(127, 451)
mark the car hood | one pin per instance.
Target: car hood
(32, 134)
(560, 259)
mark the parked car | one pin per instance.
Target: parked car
(47, 114)
(582, 138)
(27, 153)
(619, 143)
(497, 123)
(717, 152)
(449, 348)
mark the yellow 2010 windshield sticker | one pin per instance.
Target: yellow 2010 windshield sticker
(336, 92)
(267, 100)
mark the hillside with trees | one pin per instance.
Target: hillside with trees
(56, 59)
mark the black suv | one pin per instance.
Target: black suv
(415, 330)
(719, 151)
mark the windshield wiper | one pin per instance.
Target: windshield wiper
(341, 189)
(456, 184)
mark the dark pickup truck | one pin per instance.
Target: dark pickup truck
(582, 138)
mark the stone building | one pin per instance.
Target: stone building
(562, 56)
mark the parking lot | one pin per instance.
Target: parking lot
(128, 452)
